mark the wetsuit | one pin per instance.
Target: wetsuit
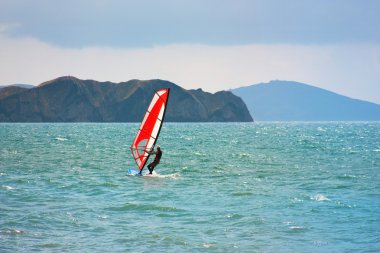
(155, 162)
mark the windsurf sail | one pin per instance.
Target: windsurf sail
(150, 127)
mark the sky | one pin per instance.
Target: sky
(209, 44)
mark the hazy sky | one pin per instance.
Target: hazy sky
(208, 44)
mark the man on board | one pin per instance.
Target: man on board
(156, 160)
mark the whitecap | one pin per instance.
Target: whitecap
(349, 176)
(156, 175)
(320, 197)
(102, 217)
(296, 228)
(320, 243)
(60, 138)
(207, 245)
(242, 155)
(188, 138)
(12, 231)
(296, 200)
(7, 187)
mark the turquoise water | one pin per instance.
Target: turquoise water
(237, 187)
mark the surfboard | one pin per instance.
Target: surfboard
(133, 172)
(155, 175)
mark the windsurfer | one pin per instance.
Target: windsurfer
(156, 160)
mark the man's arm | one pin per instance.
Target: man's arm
(150, 152)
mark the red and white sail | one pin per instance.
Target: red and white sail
(150, 127)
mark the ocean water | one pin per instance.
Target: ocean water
(234, 187)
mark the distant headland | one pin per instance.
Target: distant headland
(69, 99)
(293, 101)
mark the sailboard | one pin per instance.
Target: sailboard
(150, 127)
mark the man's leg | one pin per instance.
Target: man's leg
(151, 167)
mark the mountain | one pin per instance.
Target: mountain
(292, 101)
(68, 99)
(7, 91)
(27, 86)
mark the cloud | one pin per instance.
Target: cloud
(144, 23)
(7, 27)
(349, 69)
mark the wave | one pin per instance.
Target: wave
(296, 228)
(156, 175)
(7, 187)
(320, 197)
(110, 184)
(146, 207)
(239, 194)
(346, 176)
(60, 138)
(12, 231)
